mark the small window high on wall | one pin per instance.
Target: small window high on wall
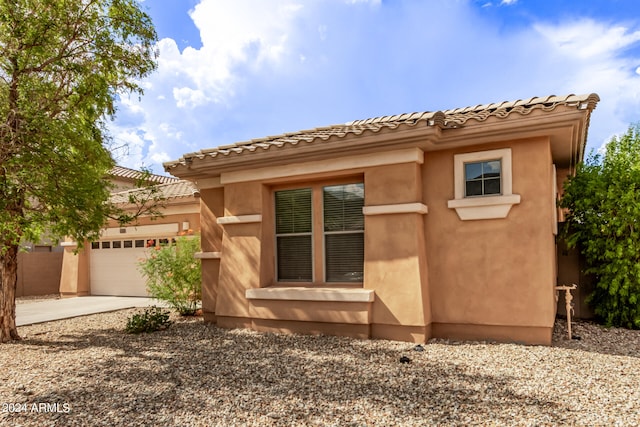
(483, 185)
(320, 234)
(482, 178)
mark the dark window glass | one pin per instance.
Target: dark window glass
(139, 243)
(95, 245)
(293, 211)
(295, 258)
(106, 245)
(482, 178)
(344, 257)
(128, 244)
(116, 244)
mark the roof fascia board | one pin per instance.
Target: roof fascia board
(358, 162)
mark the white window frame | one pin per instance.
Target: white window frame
(488, 206)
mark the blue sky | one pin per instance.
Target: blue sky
(233, 70)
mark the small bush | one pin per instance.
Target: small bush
(153, 319)
(173, 275)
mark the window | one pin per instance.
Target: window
(333, 240)
(95, 245)
(106, 245)
(128, 244)
(293, 235)
(482, 178)
(483, 185)
(116, 244)
(343, 232)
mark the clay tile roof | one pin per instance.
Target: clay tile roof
(133, 175)
(446, 119)
(169, 191)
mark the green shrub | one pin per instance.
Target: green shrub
(152, 319)
(173, 274)
(603, 200)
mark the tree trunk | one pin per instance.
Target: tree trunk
(9, 272)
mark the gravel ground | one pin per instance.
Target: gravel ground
(88, 371)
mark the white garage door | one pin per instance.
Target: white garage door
(114, 267)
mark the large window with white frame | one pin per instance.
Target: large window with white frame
(320, 234)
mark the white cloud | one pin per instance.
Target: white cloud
(589, 39)
(372, 2)
(127, 147)
(242, 33)
(595, 58)
(187, 97)
(508, 2)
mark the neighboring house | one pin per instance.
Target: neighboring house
(110, 265)
(124, 179)
(407, 227)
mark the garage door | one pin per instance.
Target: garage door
(114, 267)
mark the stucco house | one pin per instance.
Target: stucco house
(110, 266)
(406, 227)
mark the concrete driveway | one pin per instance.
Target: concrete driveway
(56, 309)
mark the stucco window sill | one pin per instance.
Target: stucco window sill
(490, 207)
(207, 255)
(239, 219)
(311, 294)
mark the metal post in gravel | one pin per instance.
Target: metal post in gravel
(568, 298)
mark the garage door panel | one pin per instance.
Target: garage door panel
(114, 271)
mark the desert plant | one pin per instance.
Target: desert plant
(152, 319)
(173, 274)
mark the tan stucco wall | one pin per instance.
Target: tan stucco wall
(395, 257)
(211, 208)
(241, 249)
(74, 279)
(497, 272)
(433, 274)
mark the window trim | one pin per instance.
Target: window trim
(485, 206)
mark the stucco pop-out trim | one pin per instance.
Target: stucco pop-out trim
(400, 208)
(141, 230)
(483, 207)
(409, 155)
(207, 255)
(312, 294)
(240, 219)
(489, 207)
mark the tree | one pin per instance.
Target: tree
(63, 64)
(603, 200)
